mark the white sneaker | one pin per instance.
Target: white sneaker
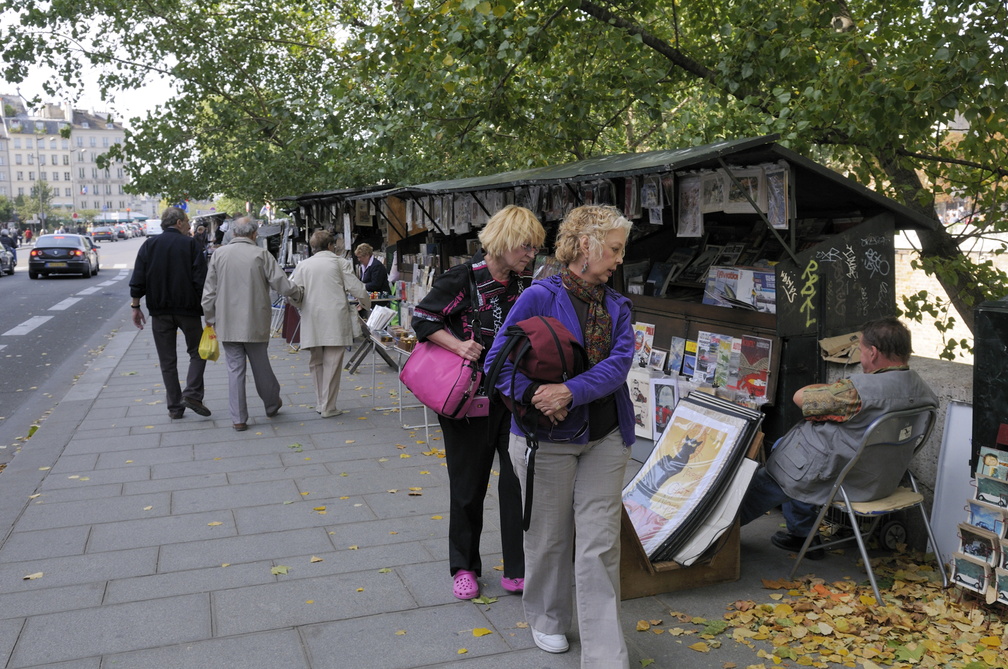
(551, 643)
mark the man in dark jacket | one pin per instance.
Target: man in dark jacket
(170, 269)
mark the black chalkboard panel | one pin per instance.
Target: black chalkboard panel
(990, 378)
(839, 284)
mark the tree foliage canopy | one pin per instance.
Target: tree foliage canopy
(286, 98)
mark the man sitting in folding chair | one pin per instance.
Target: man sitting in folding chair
(804, 463)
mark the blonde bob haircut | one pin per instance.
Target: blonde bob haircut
(590, 221)
(509, 228)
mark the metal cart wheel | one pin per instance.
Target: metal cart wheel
(893, 534)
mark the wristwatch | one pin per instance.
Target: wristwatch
(135, 306)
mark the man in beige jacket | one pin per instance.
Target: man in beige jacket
(236, 302)
(327, 321)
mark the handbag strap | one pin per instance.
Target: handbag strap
(474, 295)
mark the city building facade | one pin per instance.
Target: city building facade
(60, 145)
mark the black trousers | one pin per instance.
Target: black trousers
(165, 330)
(470, 445)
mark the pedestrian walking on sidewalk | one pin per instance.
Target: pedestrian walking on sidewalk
(169, 271)
(577, 472)
(447, 317)
(327, 321)
(236, 302)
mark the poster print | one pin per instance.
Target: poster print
(713, 191)
(643, 343)
(991, 490)
(993, 462)
(639, 382)
(777, 208)
(665, 392)
(747, 185)
(698, 444)
(690, 214)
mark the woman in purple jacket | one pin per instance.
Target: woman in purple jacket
(581, 459)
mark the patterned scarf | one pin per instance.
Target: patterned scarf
(598, 325)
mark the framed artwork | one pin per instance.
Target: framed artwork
(651, 194)
(657, 360)
(665, 392)
(362, 214)
(697, 454)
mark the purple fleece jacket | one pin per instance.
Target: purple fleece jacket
(548, 297)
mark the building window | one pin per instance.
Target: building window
(105, 141)
(3, 176)
(31, 158)
(17, 142)
(31, 176)
(119, 173)
(80, 156)
(44, 176)
(20, 176)
(121, 190)
(93, 141)
(108, 189)
(17, 158)
(20, 190)
(52, 144)
(40, 143)
(94, 173)
(41, 159)
(66, 176)
(66, 160)
(80, 141)
(66, 191)
(81, 173)
(55, 176)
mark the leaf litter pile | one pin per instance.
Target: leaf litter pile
(811, 623)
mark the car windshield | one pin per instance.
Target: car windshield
(103, 229)
(71, 241)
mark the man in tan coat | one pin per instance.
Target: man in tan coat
(326, 317)
(236, 302)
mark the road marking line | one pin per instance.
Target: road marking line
(90, 291)
(107, 284)
(65, 304)
(27, 326)
(3, 346)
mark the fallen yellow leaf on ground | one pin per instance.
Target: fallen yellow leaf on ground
(481, 631)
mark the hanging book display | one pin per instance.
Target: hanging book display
(689, 472)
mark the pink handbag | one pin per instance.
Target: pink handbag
(445, 382)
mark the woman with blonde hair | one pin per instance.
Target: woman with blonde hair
(455, 318)
(582, 456)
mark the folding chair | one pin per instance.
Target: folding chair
(880, 464)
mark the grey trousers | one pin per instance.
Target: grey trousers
(165, 329)
(266, 384)
(577, 490)
(326, 366)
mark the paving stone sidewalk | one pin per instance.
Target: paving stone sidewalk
(130, 540)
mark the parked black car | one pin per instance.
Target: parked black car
(63, 254)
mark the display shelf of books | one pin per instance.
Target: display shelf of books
(981, 563)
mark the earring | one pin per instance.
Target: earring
(584, 267)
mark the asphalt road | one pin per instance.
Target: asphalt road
(50, 329)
